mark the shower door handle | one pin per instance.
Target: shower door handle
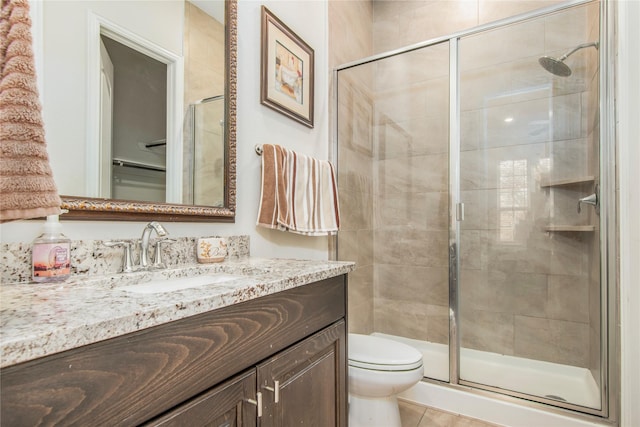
(460, 211)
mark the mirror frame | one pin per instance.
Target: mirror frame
(83, 208)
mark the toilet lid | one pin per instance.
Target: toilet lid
(381, 354)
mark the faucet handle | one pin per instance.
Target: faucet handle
(157, 258)
(593, 200)
(127, 261)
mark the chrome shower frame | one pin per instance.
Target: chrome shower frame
(610, 345)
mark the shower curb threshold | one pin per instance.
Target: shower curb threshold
(484, 408)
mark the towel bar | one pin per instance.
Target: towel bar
(258, 149)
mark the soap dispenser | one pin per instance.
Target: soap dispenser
(50, 256)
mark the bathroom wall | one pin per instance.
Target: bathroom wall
(627, 129)
(257, 124)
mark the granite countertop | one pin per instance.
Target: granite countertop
(42, 319)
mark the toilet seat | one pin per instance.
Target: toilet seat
(380, 354)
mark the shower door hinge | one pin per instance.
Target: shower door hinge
(460, 211)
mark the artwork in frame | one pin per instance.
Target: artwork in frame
(286, 81)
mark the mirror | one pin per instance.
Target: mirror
(161, 170)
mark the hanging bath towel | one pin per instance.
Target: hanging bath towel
(27, 189)
(299, 193)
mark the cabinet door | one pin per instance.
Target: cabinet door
(226, 405)
(306, 384)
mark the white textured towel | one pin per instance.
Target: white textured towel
(299, 193)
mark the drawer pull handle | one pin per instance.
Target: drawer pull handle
(276, 391)
(257, 402)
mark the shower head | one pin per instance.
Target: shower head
(557, 66)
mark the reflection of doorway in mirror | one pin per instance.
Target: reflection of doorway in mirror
(162, 93)
(106, 119)
(139, 124)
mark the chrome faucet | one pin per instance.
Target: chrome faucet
(144, 243)
(593, 200)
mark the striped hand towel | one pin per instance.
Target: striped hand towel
(299, 193)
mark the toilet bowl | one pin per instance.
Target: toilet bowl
(379, 369)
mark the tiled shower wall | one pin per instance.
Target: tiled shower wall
(525, 290)
(204, 77)
(204, 55)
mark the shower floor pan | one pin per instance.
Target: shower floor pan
(538, 378)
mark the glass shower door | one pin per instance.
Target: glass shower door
(208, 152)
(529, 290)
(393, 132)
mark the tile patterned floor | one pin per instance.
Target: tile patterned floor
(419, 416)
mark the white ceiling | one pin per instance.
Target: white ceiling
(214, 8)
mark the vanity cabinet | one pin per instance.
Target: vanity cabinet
(298, 386)
(286, 349)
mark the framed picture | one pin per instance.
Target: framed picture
(286, 78)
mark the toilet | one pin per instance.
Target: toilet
(379, 369)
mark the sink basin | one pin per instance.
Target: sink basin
(177, 284)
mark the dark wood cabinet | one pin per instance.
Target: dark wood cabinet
(303, 384)
(227, 405)
(206, 369)
(299, 386)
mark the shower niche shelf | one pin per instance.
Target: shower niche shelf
(570, 228)
(571, 184)
(567, 182)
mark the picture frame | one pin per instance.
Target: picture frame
(287, 70)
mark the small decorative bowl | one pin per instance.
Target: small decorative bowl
(211, 249)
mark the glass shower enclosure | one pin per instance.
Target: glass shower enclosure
(469, 171)
(205, 152)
